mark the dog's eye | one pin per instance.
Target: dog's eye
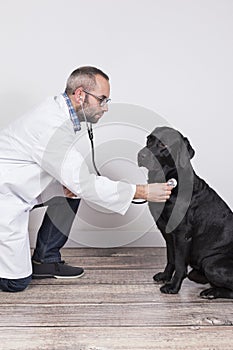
(150, 141)
(161, 144)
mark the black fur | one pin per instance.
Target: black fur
(195, 222)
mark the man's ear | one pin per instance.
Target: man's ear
(186, 152)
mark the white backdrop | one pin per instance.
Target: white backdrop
(170, 57)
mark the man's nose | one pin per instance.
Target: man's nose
(105, 108)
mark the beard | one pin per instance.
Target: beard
(92, 113)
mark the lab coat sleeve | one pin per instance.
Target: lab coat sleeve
(112, 195)
(58, 155)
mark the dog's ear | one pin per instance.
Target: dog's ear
(186, 152)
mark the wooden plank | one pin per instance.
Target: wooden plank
(118, 262)
(105, 276)
(103, 315)
(115, 258)
(118, 338)
(111, 276)
(117, 251)
(80, 293)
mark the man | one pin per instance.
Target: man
(38, 150)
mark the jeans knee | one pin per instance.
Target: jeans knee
(14, 285)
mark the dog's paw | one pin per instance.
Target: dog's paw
(161, 277)
(216, 292)
(168, 288)
(210, 293)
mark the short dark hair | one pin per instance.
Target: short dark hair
(85, 77)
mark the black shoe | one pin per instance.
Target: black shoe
(56, 270)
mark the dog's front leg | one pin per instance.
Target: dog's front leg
(181, 252)
(166, 275)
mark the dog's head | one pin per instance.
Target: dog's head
(165, 146)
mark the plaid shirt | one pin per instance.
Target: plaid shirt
(73, 114)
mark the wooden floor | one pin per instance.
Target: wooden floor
(115, 305)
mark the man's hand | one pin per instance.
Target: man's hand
(68, 193)
(155, 192)
(159, 192)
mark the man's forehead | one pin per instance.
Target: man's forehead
(102, 85)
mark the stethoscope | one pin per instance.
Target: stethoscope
(171, 182)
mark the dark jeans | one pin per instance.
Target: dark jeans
(51, 237)
(16, 285)
(55, 229)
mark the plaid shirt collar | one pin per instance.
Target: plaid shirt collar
(73, 114)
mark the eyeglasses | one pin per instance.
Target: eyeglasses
(102, 100)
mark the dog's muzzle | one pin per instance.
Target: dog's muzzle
(147, 159)
(142, 158)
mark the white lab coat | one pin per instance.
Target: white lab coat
(34, 150)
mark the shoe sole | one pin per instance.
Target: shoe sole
(56, 276)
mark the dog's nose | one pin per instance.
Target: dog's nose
(141, 158)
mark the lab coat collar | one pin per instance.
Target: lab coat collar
(69, 111)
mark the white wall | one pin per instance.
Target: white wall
(172, 58)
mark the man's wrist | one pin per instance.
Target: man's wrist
(141, 192)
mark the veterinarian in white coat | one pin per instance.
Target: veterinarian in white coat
(40, 147)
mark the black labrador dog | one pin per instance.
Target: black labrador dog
(196, 223)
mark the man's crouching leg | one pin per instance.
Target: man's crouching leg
(14, 285)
